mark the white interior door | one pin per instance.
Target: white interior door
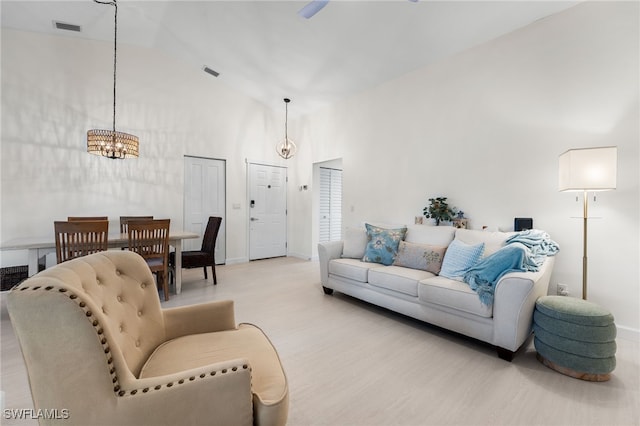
(267, 211)
(330, 225)
(204, 196)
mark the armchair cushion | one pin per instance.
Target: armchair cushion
(247, 343)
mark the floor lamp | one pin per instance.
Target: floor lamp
(586, 170)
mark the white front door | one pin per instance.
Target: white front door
(204, 196)
(267, 211)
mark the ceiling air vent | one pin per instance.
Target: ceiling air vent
(67, 27)
(210, 71)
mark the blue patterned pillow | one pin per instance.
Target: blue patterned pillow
(459, 258)
(382, 244)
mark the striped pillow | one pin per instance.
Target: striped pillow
(459, 258)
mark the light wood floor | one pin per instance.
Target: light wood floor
(350, 363)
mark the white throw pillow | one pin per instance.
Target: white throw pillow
(355, 243)
(459, 258)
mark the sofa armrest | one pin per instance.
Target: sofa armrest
(514, 301)
(327, 251)
(201, 318)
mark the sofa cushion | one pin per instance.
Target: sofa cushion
(382, 244)
(452, 294)
(397, 278)
(351, 268)
(459, 258)
(420, 256)
(355, 242)
(493, 241)
(434, 235)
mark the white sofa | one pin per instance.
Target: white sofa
(445, 302)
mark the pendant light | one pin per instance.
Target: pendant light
(286, 149)
(110, 143)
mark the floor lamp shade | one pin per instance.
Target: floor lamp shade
(588, 169)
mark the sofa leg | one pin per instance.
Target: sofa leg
(327, 290)
(505, 354)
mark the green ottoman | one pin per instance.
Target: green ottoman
(575, 337)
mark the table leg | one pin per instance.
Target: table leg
(178, 271)
(33, 261)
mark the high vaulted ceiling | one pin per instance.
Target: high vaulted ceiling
(264, 49)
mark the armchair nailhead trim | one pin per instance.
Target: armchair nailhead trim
(103, 340)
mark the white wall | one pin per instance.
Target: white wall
(56, 88)
(485, 129)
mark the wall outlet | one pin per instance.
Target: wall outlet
(562, 290)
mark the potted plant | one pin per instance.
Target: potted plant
(439, 210)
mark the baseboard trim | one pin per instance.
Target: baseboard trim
(299, 256)
(628, 333)
(236, 260)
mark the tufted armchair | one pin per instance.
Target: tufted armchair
(97, 343)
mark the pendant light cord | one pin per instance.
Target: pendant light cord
(286, 120)
(115, 56)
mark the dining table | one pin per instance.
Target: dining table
(38, 247)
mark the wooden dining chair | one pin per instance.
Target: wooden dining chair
(75, 239)
(86, 218)
(124, 222)
(206, 255)
(150, 239)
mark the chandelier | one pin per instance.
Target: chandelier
(110, 143)
(286, 149)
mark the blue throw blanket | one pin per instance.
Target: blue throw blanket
(524, 251)
(483, 277)
(538, 242)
